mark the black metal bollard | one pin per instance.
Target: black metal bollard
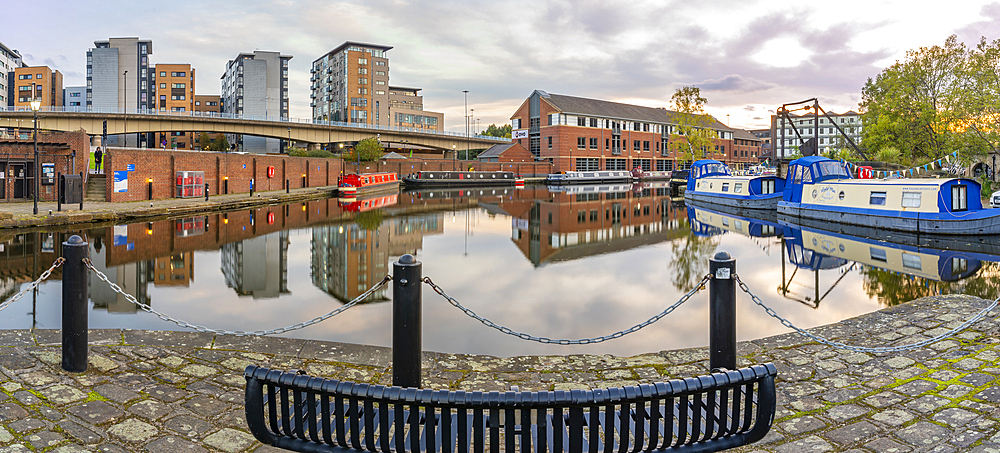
(722, 312)
(149, 188)
(75, 293)
(206, 191)
(406, 330)
(303, 181)
(287, 190)
(84, 190)
(225, 185)
(59, 192)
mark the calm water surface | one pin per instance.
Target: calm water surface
(548, 263)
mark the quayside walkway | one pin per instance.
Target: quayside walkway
(183, 391)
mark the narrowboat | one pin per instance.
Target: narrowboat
(710, 181)
(821, 189)
(588, 177)
(641, 175)
(461, 178)
(353, 184)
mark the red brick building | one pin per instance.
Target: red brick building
(588, 134)
(63, 152)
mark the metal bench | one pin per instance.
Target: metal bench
(714, 412)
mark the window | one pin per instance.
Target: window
(362, 61)
(593, 143)
(877, 199)
(725, 187)
(911, 199)
(380, 82)
(635, 145)
(163, 86)
(178, 74)
(379, 63)
(362, 70)
(593, 122)
(738, 187)
(911, 261)
(877, 254)
(163, 73)
(581, 142)
(581, 121)
(550, 142)
(178, 85)
(645, 145)
(959, 199)
(362, 81)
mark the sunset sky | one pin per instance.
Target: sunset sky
(748, 57)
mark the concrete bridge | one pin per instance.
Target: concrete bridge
(293, 129)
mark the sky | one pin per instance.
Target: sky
(747, 57)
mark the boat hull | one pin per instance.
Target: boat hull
(708, 199)
(588, 177)
(982, 222)
(460, 179)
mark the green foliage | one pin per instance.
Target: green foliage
(297, 152)
(493, 130)
(203, 141)
(318, 153)
(369, 220)
(219, 144)
(370, 149)
(693, 135)
(937, 100)
(889, 154)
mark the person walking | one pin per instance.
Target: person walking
(98, 156)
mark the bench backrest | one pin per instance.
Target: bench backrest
(705, 413)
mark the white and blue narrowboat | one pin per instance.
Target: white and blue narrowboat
(821, 189)
(710, 181)
(588, 177)
(718, 220)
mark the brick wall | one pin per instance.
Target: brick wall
(53, 147)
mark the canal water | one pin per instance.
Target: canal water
(572, 263)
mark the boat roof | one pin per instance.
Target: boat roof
(703, 162)
(809, 160)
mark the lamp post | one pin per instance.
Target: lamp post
(124, 109)
(289, 147)
(466, 124)
(35, 105)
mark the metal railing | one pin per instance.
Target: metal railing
(275, 119)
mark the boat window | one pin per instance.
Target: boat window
(738, 187)
(911, 199)
(725, 221)
(877, 198)
(807, 174)
(959, 200)
(877, 254)
(911, 261)
(959, 266)
(831, 169)
(797, 175)
(725, 187)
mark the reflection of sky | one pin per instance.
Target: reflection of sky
(486, 272)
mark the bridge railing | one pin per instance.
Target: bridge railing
(231, 116)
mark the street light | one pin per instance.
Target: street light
(35, 105)
(466, 124)
(124, 109)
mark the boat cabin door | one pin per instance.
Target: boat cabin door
(793, 184)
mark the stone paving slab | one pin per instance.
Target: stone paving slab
(183, 391)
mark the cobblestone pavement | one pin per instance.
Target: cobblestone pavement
(183, 391)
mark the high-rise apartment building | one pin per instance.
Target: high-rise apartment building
(10, 59)
(119, 78)
(174, 87)
(39, 82)
(831, 132)
(406, 109)
(75, 98)
(351, 84)
(256, 84)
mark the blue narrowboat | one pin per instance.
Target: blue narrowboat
(710, 181)
(820, 188)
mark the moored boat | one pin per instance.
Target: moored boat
(639, 174)
(822, 189)
(353, 184)
(710, 181)
(715, 220)
(461, 178)
(588, 177)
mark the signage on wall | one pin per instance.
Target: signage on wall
(48, 173)
(270, 171)
(130, 167)
(521, 133)
(121, 181)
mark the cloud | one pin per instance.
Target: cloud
(735, 82)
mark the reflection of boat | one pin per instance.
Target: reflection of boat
(720, 219)
(588, 177)
(639, 174)
(813, 248)
(591, 188)
(367, 204)
(459, 193)
(710, 181)
(352, 184)
(822, 189)
(461, 178)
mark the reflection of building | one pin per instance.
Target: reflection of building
(257, 267)
(174, 270)
(347, 260)
(570, 226)
(133, 278)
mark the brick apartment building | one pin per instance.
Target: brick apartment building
(45, 83)
(174, 93)
(583, 134)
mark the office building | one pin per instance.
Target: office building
(583, 134)
(406, 109)
(351, 84)
(75, 98)
(174, 87)
(10, 59)
(119, 79)
(799, 130)
(37, 82)
(256, 84)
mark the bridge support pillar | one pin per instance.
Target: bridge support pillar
(313, 146)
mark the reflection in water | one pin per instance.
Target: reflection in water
(562, 264)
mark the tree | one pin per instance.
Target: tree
(693, 137)
(369, 149)
(204, 142)
(979, 107)
(219, 144)
(502, 131)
